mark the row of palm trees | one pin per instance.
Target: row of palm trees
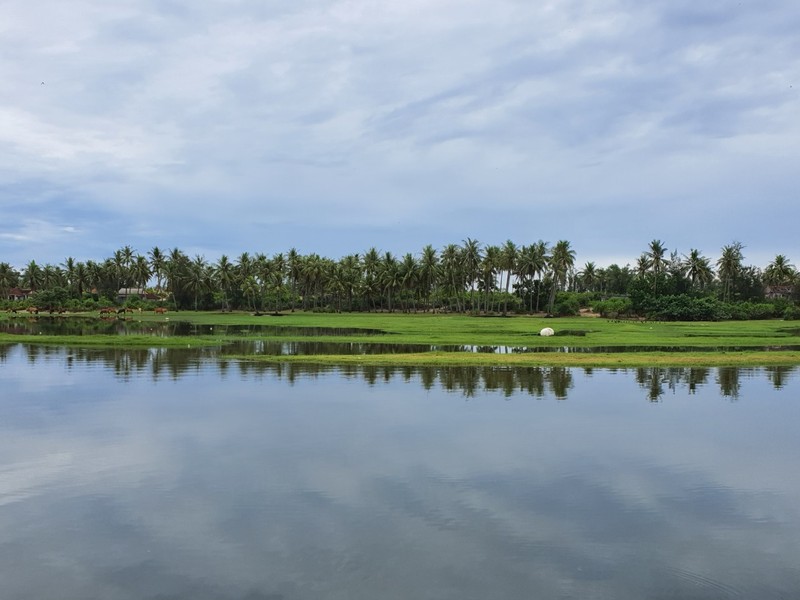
(465, 277)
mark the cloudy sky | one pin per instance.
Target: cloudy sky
(335, 125)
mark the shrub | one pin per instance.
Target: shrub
(613, 307)
(566, 305)
(792, 313)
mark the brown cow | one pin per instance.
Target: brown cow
(108, 310)
(33, 310)
(159, 310)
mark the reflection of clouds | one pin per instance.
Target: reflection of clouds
(211, 487)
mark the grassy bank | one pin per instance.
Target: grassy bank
(694, 339)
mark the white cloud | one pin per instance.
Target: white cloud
(339, 110)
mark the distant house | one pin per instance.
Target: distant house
(16, 293)
(772, 292)
(125, 294)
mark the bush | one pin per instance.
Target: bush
(613, 307)
(566, 305)
(683, 308)
(792, 313)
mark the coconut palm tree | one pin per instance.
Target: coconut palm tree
(293, 266)
(249, 289)
(224, 276)
(141, 271)
(198, 278)
(508, 262)
(389, 276)
(157, 265)
(561, 261)
(452, 272)
(589, 276)
(655, 258)
(471, 260)
(69, 272)
(8, 278)
(409, 277)
(729, 266)
(780, 272)
(81, 278)
(698, 269)
(428, 271)
(489, 267)
(32, 276)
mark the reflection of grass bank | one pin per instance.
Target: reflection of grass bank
(110, 341)
(638, 359)
(442, 330)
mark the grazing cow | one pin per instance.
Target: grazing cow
(108, 310)
(160, 310)
(33, 310)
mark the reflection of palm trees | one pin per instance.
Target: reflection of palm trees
(728, 380)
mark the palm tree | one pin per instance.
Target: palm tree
(294, 266)
(350, 267)
(642, 266)
(489, 266)
(141, 271)
(655, 258)
(452, 272)
(561, 261)
(8, 278)
(428, 270)
(80, 278)
(589, 276)
(729, 266)
(157, 265)
(249, 288)
(389, 276)
(279, 267)
(198, 279)
(32, 276)
(471, 260)
(69, 272)
(176, 271)
(371, 263)
(698, 269)
(409, 277)
(779, 271)
(224, 274)
(508, 263)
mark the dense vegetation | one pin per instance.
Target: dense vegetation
(466, 278)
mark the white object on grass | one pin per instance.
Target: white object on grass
(547, 332)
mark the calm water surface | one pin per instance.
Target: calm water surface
(172, 475)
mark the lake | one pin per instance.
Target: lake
(167, 474)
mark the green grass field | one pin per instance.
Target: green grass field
(749, 338)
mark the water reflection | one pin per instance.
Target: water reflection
(217, 480)
(168, 328)
(175, 363)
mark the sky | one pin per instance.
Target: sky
(333, 126)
